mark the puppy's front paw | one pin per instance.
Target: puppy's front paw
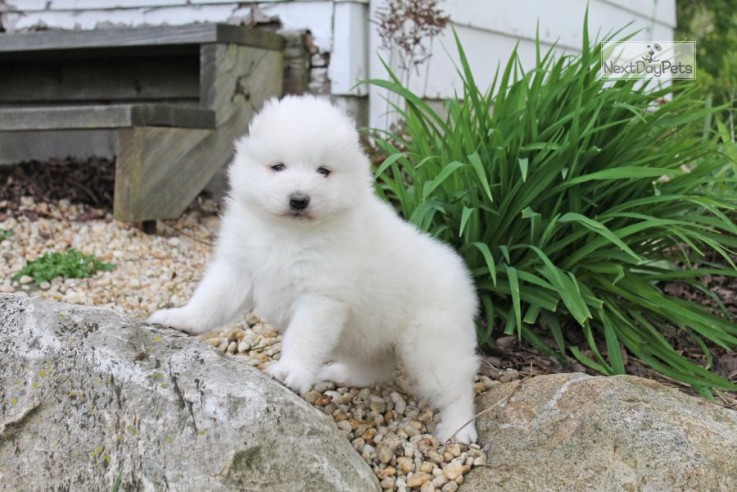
(294, 376)
(338, 373)
(177, 318)
(466, 434)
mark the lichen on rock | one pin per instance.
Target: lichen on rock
(91, 398)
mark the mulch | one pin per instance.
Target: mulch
(91, 183)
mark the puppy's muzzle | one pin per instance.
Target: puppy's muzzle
(298, 201)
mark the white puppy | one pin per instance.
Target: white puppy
(308, 246)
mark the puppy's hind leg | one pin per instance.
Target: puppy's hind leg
(357, 373)
(438, 351)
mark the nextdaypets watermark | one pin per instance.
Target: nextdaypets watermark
(665, 60)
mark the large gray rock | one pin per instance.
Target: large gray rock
(575, 432)
(92, 400)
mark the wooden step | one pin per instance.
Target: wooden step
(192, 34)
(174, 97)
(104, 117)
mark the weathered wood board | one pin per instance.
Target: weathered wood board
(161, 170)
(141, 36)
(108, 116)
(176, 97)
(114, 77)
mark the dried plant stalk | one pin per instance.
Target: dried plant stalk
(409, 27)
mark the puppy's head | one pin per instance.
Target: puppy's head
(300, 161)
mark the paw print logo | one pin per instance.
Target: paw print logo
(652, 50)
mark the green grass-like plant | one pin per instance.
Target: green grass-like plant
(70, 264)
(573, 200)
(6, 234)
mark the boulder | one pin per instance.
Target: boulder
(92, 400)
(576, 432)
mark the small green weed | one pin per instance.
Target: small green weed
(5, 235)
(70, 264)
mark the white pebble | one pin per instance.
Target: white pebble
(392, 427)
(369, 453)
(386, 453)
(410, 431)
(454, 449)
(311, 395)
(377, 406)
(333, 394)
(450, 487)
(439, 480)
(25, 279)
(323, 386)
(104, 281)
(401, 484)
(409, 449)
(427, 486)
(400, 406)
(214, 342)
(250, 337)
(453, 471)
(72, 297)
(418, 479)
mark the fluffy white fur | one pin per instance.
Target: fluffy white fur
(352, 285)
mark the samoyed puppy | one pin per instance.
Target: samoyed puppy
(306, 244)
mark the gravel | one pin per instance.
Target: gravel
(151, 271)
(386, 424)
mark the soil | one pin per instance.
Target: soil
(90, 183)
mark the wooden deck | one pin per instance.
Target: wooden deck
(176, 97)
(104, 116)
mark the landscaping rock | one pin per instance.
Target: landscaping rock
(575, 432)
(92, 400)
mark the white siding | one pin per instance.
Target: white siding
(349, 53)
(489, 30)
(107, 4)
(90, 14)
(489, 34)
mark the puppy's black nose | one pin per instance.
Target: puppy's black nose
(298, 201)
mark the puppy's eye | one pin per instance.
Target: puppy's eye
(323, 171)
(279, 167)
